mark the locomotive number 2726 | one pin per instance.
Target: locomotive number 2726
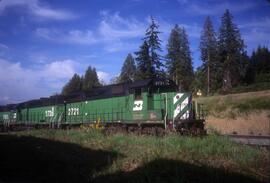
(73, 111)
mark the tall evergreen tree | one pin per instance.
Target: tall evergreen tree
(145, 68)
(261, 60)
(179, 62)
(128, 70)
(74, 85)
(90, 79)
(209, 55)
(188, 74)
(148, 60)
(231, 49)
(174, 65)
(154, 43)
(95, 78)
(259, 66)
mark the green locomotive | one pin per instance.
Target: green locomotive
(150, 102)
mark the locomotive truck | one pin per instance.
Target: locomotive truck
(153, 102)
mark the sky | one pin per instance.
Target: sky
(44, 42)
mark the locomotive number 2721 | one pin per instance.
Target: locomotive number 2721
(73, 111)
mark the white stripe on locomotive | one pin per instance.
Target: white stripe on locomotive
(181, 106)
(177, 97)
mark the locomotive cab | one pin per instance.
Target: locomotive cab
(150, 99)
(158, 101)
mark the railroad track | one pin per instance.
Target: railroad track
(253, 140)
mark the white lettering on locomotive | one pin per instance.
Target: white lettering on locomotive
(5, 117)
(163, 83)
(49, 113)
(138, 105)
(73, 111)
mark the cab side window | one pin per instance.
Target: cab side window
(138, 94)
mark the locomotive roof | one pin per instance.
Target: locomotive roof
(8, 107)
(122, 89)
(107, 91)
(153, 82)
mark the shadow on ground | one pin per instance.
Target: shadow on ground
(30, 159)
(164, 170)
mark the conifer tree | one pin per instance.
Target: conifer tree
(209, 55)
(259, 66)
(145, 68)
(174, 65)
(90, 79)
(231, 49)
(128, 70)
(95, 78)
(261, 60)
(151, 36)
(188, 74)
(149, 53)
(179, 62)
(74, 85)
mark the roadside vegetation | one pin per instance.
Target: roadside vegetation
(131, 158)
(233, 105)
(243, 113)
(261, 86)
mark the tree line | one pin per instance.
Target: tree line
(225, 63)
(82, 83)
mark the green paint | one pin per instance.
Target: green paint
(108, 110)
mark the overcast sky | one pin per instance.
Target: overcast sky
(44, 42)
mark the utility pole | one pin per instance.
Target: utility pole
(208, 73)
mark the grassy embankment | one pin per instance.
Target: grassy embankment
(242, 113)
(261, 86)
(88, 155)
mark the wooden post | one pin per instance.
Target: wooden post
(208, 74)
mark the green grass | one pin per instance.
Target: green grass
(260, 103)
(231, 106)
(252, 87)
(140, 154)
